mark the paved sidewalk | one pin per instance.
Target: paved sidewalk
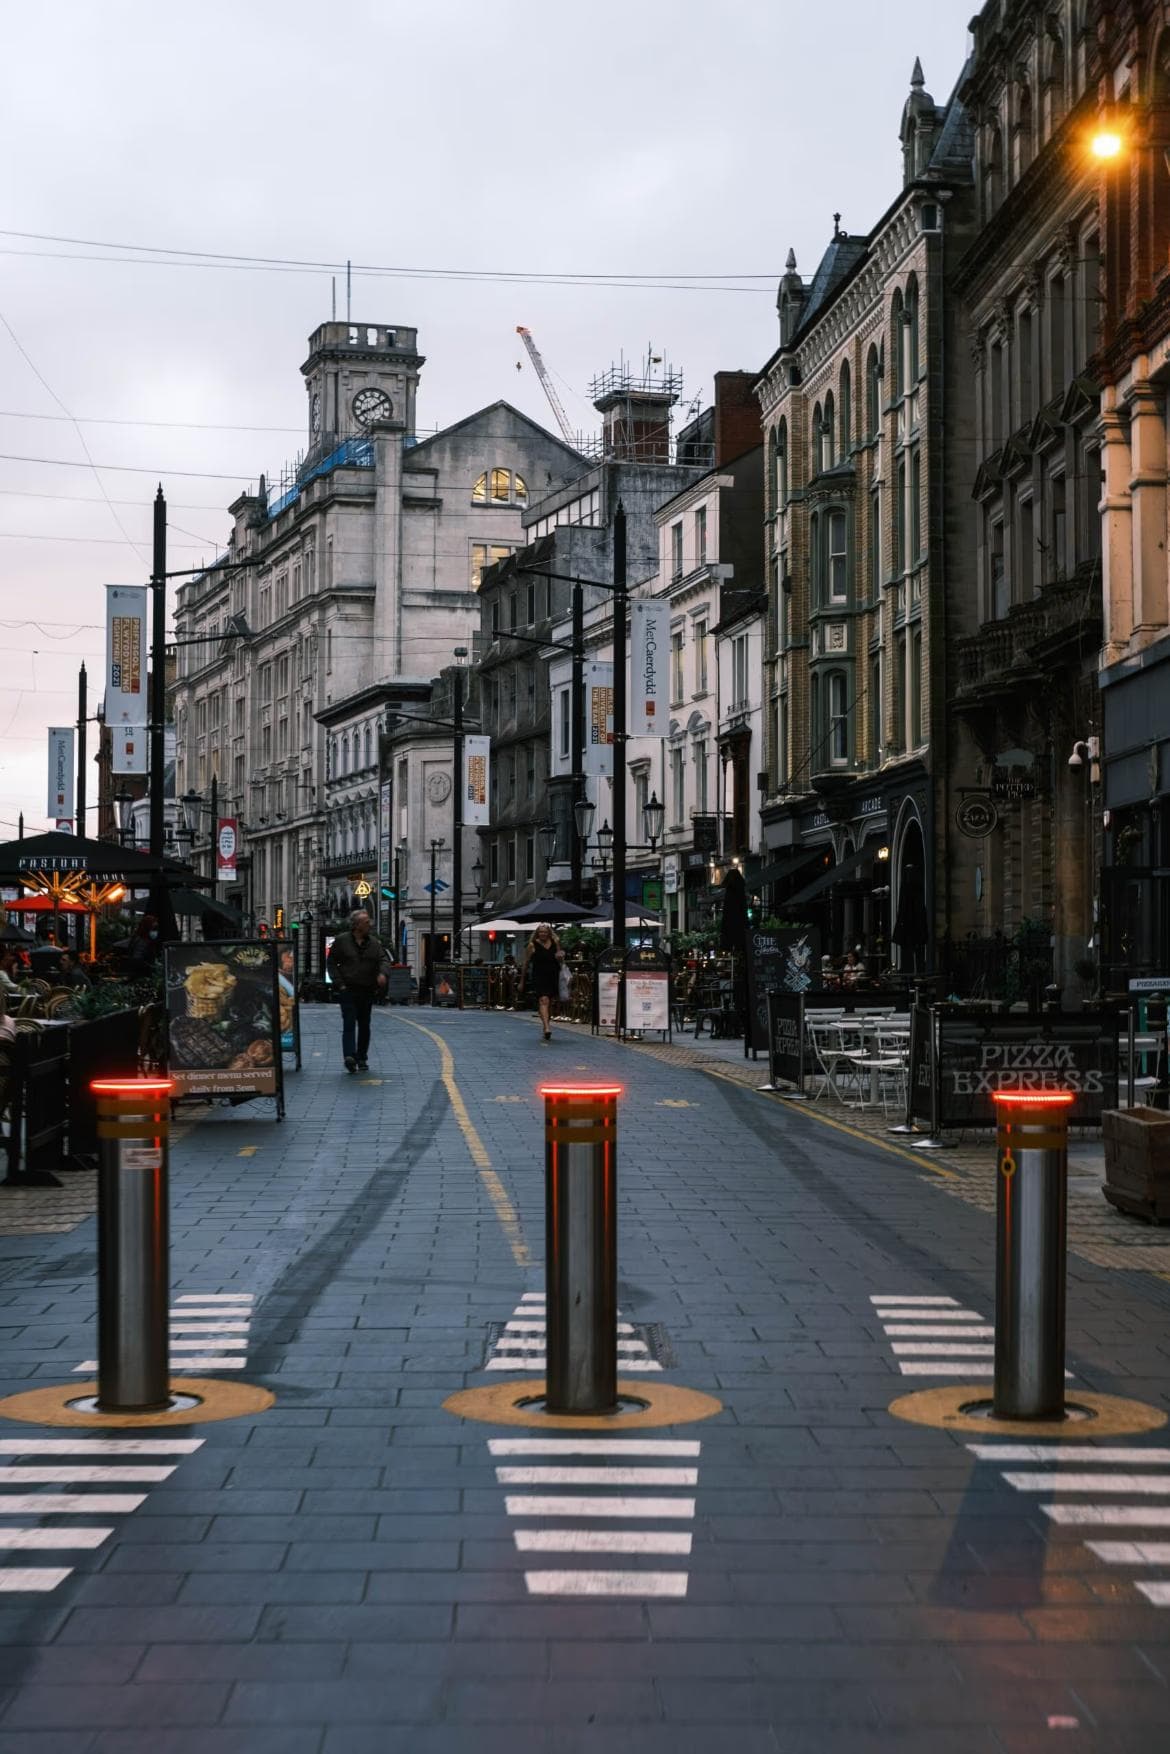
(357, 1571)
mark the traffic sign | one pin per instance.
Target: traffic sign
(436, 886)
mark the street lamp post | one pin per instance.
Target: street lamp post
(457, 791)
(619, 727)
(435, 845)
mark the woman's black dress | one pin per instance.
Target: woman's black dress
(544, 971)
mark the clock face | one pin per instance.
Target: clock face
(315, 413)
(439, 788)
(371, 405)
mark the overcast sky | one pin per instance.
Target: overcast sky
(659, 138)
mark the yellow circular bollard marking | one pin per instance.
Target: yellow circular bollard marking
(661, 1404)
(1108, 1415)
(215, 1400)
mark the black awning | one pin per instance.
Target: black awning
(829, 878)
(789, 864)
(189, 901)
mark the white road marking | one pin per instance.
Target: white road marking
(606, 1583)
(682, 1508)
(534, 1361)
(1157, 1593)
(1131, 1552)
(597, 1476)
(89, 1365)
(55, 1539)
(922, 1368)
(210, 1327)
(1120, 1516)
(600, 1541)
(69, 1503)
(592, 1446)
(40, 1578)
(82, 1476)
(100, 1446)
(1155, 1485)
(216, 1297)
(521, 1345)
(972, 1331)
(929, 1315)
(532, 1296)
(524, 1327)
(937, 1302)
(209, 1341)
(942, 1349)
(1067, 1452)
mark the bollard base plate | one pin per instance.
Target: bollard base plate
(967, 1407)
(195, 1400)
(641, 1406)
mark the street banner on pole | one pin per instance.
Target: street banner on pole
(649, 645)
(126, 649)
(598, 718)
(227, 840)
(129, 746)
(385, 825)
(476, 781)
(60, 771)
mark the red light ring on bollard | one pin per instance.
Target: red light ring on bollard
(132, 1086)
(1045, 1128)
(582, 1090)
(1034, 1098)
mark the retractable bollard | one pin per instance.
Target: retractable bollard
(133, 1244)
(1031, 1246)
(580, 1155)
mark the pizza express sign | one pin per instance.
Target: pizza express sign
(979, 1056)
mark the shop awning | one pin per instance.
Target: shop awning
(829, 878)
(791, 863)
(189, 901)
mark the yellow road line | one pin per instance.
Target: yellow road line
(494, 1187)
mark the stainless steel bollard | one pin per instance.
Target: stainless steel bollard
(580, 1156)
(1031, 1246)
(133, 1244)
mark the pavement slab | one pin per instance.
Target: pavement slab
(357, 1569)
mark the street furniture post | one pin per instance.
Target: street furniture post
(133, 1244)
(580, 1130)
(1031, 1246)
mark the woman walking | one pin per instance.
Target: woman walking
(541, 971)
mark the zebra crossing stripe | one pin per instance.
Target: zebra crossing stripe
(660, 1541)
(1157, 1593)
(905, 1302)
(681, 1508)
(1131, 1552)
(81, 1475)
(1155, 1485)
(606, 1583)
(37, 1578)
(1118, 1516)
(593, 1446)
(597, 1476)
(99, 1446)
(51, 1540)
(1068, 1452)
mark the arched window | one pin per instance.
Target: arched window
(845, 388)
(520, 489)
(1052, 97)
(818, 419)
(1022, 136)
(873, 394)
(782, 490)
(479, 492)
(369, 747)
(910, 335)
(992, 170)
(828, 433)
(344, 768)
(499, 487)
(897, 352)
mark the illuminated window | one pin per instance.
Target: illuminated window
(486, 554)
(500, 487)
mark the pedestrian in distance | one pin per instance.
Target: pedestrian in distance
(358, 964)
(541, 971)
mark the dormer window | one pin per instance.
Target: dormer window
(500, 487)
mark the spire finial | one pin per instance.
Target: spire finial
(836, 225)
(917, 78)
(790, 261)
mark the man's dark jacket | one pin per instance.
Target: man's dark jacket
(355, 966)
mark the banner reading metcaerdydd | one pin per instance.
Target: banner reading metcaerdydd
(649, 644)
(223, 1008)
(60, 788)
(126, 650)
(477, 752)
(598, 718)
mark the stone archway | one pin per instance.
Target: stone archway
(911, 931)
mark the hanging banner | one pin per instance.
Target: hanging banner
(385, 825)
(129, 748)
(476, 770)
(598, 718)
(649, 646)
(126, 651)
(60, 771)
(227, 840)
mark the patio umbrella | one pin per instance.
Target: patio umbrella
(45, 904)
(10, 933)
(546, 907)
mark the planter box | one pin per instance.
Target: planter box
(1137, 1161)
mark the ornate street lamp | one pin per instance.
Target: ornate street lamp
(192, 804)
(547, 836)
(653, 820)
(605, 844)
(584, 813)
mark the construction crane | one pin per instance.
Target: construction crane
(554, 400)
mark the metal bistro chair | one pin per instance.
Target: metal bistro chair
(833, 1044)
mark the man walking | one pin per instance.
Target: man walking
(357, 967)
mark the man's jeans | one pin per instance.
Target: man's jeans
(355, 1020)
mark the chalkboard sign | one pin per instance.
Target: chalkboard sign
(920, 1096)
(475, 987)
(607, 990)
(399, 985)
(445, 989)
(786, 1039)
(979, 1054)
(785, 961)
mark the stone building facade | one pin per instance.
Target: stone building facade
(362, 570)
(866, 432)
(1024, 642)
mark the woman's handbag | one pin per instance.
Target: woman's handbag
(564, 985)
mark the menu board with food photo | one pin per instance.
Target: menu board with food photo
(224, 1013)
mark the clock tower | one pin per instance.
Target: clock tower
(357, 375)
